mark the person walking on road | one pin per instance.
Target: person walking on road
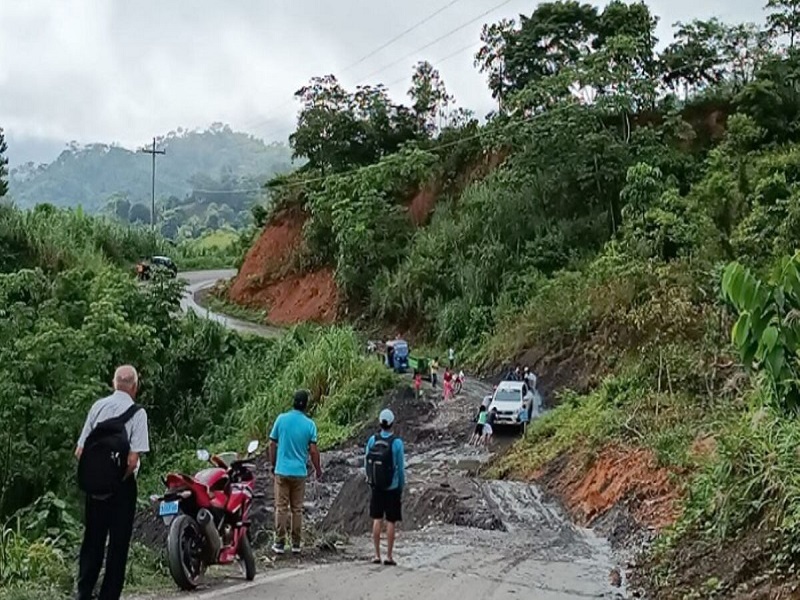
(488, 430)
(292, 440)
(530, 378)
(448, 384)
(385, 467)
(417, 384)
(114, 437)
(435, 372)
(451, 357)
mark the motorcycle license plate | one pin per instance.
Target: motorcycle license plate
(168, 509)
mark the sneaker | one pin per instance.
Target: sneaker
(279, 548)
(296, 549)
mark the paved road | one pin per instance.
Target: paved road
(201, 280)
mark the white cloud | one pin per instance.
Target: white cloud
(119, 70)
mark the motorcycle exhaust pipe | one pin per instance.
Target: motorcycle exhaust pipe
(206, 521)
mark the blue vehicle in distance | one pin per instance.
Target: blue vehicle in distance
(397, 355)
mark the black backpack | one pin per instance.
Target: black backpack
(380, 463)
(104, 460)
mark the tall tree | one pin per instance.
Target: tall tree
(337, 129)
(3, 165)
(633, 21)
(784, 18)
(429, 96)
(326, 126)
(695, 59)
(491, 59)
(552, 39)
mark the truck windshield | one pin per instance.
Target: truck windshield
(507, 396)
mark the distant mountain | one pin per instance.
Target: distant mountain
(95, 174)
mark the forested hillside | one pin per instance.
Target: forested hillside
(197, 180)
(621, 214)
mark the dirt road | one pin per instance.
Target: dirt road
(463, 537)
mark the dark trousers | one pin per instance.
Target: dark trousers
(110, 519)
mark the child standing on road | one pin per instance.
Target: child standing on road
(417, 383)
(487, 428)
(477, 435)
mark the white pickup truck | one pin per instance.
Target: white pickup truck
(515, 402)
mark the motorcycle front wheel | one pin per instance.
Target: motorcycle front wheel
(457, 387)
(247, 560)
(184, 552)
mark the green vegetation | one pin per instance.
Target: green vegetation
(592, 224)
(208, 180)
(628, 214)
(68, 315)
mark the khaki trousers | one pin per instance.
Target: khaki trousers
(289, 496)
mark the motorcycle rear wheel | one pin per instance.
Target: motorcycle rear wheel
(457, 387)
(184, 547)
(247, 560)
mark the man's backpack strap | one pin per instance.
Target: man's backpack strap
(124, 417)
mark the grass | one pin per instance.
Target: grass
(579, 423)
(231, 309)
(217, 239)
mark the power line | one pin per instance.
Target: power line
(436, 63)
(481, 133)
(437, 40)
(354, 170)
(401, 35)
(373, 52)
(410, 29)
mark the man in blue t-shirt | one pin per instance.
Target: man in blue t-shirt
(386, 504)
(293, 439)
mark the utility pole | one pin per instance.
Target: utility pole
(152, 151)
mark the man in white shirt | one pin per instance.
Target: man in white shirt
(530, 379)
(111, 518)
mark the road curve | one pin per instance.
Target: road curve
(200, 280)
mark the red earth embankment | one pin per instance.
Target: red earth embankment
(617, 475)
(268, 278)
(271, 279)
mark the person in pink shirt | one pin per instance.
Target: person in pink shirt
(448, 383)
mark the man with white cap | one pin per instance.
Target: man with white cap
(385, 466)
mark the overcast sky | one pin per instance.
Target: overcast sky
(125, 70)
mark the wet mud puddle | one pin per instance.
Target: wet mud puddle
(502, 532)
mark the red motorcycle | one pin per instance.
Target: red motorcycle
(207, 517)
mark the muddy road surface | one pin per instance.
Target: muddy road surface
(463, 537)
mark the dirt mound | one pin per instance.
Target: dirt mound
(428, 501)
(268, 278)
(618, 476)
(410, 413)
